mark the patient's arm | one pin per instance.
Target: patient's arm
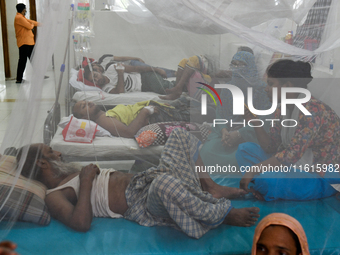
(120, 88)
(262, 136)
(117, 58)
(143, 69)
(117, 128)
(77, 215)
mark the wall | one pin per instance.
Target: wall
(2, 66)
(336, 73)
(156, 46)
(12, 42)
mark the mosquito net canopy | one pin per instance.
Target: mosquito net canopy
(131, 73)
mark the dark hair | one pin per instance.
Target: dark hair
(297, 72)
(245, 48)
(76, 115)
(30, 168)
(97, 64)
(87, 72)
(20, 7)
(294, 236)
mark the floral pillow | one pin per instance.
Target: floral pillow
(158, 133)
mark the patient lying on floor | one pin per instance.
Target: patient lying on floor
(150, 198)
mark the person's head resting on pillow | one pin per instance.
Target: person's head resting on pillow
(85, 110)
(279, 233)
(42, 159)
(96, 76)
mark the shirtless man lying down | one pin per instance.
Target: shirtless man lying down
(172, 194)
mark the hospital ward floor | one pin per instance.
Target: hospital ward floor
(8, 95)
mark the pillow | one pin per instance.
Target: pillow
(85, 81)
(158, 133)
(31, 195)
(79, 85)
(85, 61)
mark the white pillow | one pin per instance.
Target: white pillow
(101, 131)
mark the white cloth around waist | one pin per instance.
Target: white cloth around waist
(99, 193)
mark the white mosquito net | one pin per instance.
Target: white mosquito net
(78, 33)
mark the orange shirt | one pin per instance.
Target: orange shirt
(23, 30)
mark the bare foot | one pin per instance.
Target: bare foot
(218, 191)
(173, 90)
(170, 97)
(244, 217)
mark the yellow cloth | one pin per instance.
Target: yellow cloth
(127, 113)
(23, 30)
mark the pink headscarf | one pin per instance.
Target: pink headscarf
(282, 220)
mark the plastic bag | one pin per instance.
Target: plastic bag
(79, 131)
(83, 17)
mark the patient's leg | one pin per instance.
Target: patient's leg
(213, 188)
(179, 74)
(182, 79)
(181, 154)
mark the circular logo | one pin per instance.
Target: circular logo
(80, 132)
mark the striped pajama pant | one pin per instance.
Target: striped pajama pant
(171, 194)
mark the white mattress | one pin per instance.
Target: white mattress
(115, 99)
(102, 147)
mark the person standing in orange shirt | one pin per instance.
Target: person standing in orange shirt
(25, 38)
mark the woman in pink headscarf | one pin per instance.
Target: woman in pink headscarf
(279, 233)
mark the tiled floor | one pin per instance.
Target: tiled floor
(8, 95)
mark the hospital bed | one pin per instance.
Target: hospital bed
(103, 148)
(78, 91)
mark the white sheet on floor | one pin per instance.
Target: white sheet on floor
(102, 147)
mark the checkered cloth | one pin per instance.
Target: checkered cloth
(171, 194)
(22, 205)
